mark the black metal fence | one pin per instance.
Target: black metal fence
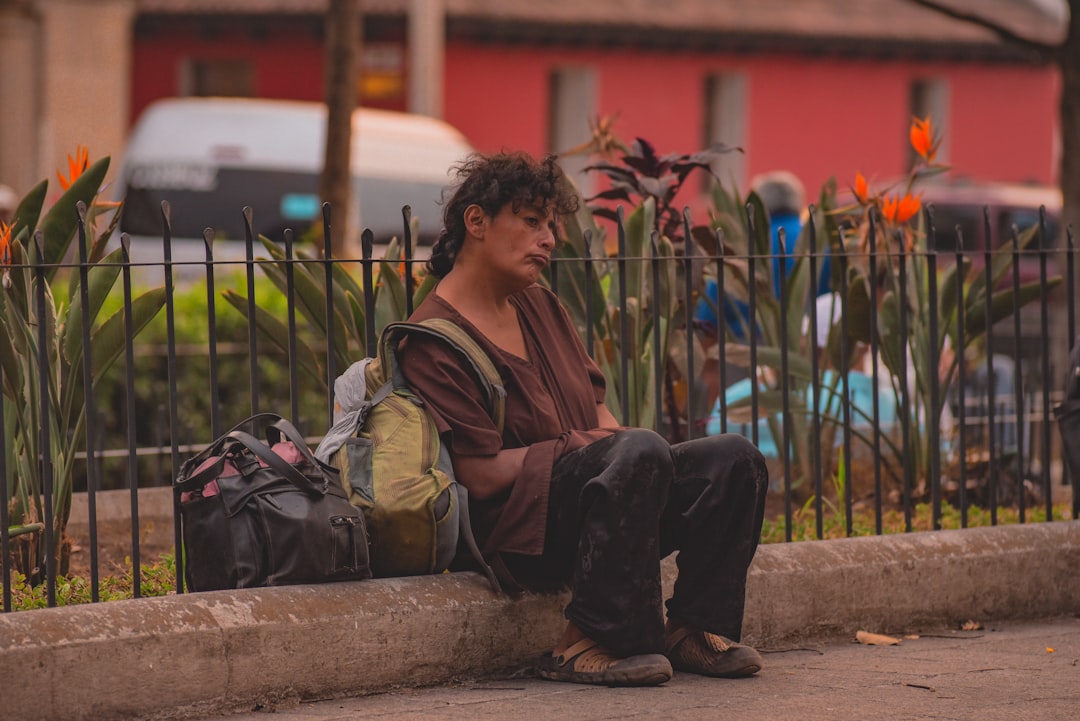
(884, 436)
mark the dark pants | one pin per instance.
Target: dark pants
(621, 504)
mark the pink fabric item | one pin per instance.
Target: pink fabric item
(285, 450)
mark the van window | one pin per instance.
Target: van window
(217, 76)
(211, 157)
(970, 219)
(948, 218)
(293, 204)
(1024, 218)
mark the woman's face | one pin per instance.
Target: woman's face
(519, 244)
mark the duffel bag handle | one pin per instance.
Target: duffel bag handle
(282, 427)
(264, 453)
(188, 480)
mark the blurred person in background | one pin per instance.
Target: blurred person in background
(784, 198)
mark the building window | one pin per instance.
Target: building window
(929, 98)
(217, 77)
(725, 105)
(382, 74)
(571, 104)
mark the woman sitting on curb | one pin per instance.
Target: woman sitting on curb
(565, 495)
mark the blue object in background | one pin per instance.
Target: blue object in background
(736, 312)
(300, 206)
(861, 393)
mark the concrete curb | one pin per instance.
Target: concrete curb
(214, 652)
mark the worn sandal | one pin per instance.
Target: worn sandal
(711, 655)
(588, 662)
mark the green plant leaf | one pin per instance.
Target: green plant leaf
(61, 220)
(639, 245)
(275, 332)
(762, 236)
(1004, 304)
(309, 295)
(101, 241)
(426, 286)
(858, 311)
(389, 296)
(29, 210)
(1001, 262)
(950, 276)
(358, 313)
(9, 359)
(301, 265)
(108, 340)
(794, 297)
(101, 279)
(344, 280)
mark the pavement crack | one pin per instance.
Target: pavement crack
(818, 651)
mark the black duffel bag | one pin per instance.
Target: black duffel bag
(255, 514)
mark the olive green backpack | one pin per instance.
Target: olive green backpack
(393, 463)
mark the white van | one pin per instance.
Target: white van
(209, 157)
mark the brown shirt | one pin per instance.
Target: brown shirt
(551, 400)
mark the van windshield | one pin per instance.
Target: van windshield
(949, 220)
(278, 199)
(1023, 219)
(970, 221)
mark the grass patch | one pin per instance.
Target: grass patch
(156, 579)
(804, 520)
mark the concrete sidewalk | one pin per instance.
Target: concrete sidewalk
(1003, 672)
(200, 655)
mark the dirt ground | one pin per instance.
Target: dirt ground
(114, 544)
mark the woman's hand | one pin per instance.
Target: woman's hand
(606, 418)
(489, 476)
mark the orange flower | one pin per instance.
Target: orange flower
(900, 210)
(76, 166)
(861, 189)
(922, 138)
(5, 243)
(909, 206)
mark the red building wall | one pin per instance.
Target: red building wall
(287, 65)
(1006, 123)
(818, 117)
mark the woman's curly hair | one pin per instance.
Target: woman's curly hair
(491, 182)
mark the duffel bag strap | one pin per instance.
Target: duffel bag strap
(284, 428)
(277, 463)
(189, 480)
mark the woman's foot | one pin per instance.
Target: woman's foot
(579, 659)
(587, 662)
(709, 654)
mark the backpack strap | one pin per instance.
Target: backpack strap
(449, 332)
(470, 540)
(490, 383)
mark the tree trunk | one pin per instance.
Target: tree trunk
(342, 52)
